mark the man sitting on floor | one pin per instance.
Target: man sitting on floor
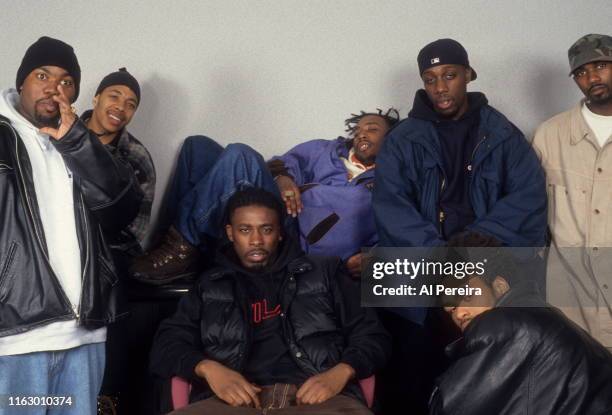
(268, 318)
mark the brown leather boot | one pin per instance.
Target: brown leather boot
(174, 258)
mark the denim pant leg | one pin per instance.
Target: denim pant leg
(78, 373)
(201, 210)
(22, 376)
(197, 156)
(75, 373)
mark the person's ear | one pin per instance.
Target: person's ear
(468, 75)
(500, 286)
(228, 232)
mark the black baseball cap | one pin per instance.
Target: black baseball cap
(443, 52)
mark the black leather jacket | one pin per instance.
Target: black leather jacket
(105, 198)
(322, 321)
(531, 360)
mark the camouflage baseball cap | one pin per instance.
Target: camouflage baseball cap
(590, 48)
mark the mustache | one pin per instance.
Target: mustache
(47, 100)
(597, 86)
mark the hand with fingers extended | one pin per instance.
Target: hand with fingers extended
(228, 385)
(67, 115)
(324, 386)
(353, 265)
(290, 192)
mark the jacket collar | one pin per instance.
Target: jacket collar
(579, 129)
(493, 127)
(295, 267)
(289, 257)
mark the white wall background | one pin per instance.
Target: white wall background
(275, 73)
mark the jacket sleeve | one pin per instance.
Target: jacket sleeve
(395, 196)
(519, 217)
(177, 348)
(299, 161)
(367, 343)
(108, 185)
(494, 360)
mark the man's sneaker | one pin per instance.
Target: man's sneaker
(175, 258)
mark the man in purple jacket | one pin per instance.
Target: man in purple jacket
(325, 184)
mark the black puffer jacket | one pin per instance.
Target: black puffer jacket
(106, 198)
(321, 318)
(518, 361)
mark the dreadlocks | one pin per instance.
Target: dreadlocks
(391, 117)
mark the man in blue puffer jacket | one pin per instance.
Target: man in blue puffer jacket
(454, 167)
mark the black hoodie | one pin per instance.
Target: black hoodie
(458, 139)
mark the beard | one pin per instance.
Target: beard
(365, 160)
(43, 119)
(601, 99)
(46, 121)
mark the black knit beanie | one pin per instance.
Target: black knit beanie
(121, 77)
(53, 52)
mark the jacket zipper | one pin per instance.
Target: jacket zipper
(249, 334)
(470, 167)
(36, 230)
(84, 267)
(441, 215)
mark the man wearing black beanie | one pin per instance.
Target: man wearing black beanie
(60, 190)
(115, 102)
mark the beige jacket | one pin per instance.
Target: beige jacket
(579, 187)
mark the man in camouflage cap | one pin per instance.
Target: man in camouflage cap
(576, 153)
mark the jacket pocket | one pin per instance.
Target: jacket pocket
(567, 211)
(6, 270)
(5, 168)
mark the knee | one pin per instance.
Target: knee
(194, 142)
(241, 151)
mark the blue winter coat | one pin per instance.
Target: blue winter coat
(507, 185)
(337, 218)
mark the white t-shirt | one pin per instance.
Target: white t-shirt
(601, 125)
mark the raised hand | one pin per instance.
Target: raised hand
(290, 192)
(228, 385)
(67, 116)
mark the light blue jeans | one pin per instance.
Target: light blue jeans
(29, 381)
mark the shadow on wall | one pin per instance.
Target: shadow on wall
(156, 124)
(231, 95)
(402, 85)
(550, 90)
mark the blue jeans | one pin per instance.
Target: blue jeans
(206, 177)
(75, 373)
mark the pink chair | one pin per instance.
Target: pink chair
(180, 391)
